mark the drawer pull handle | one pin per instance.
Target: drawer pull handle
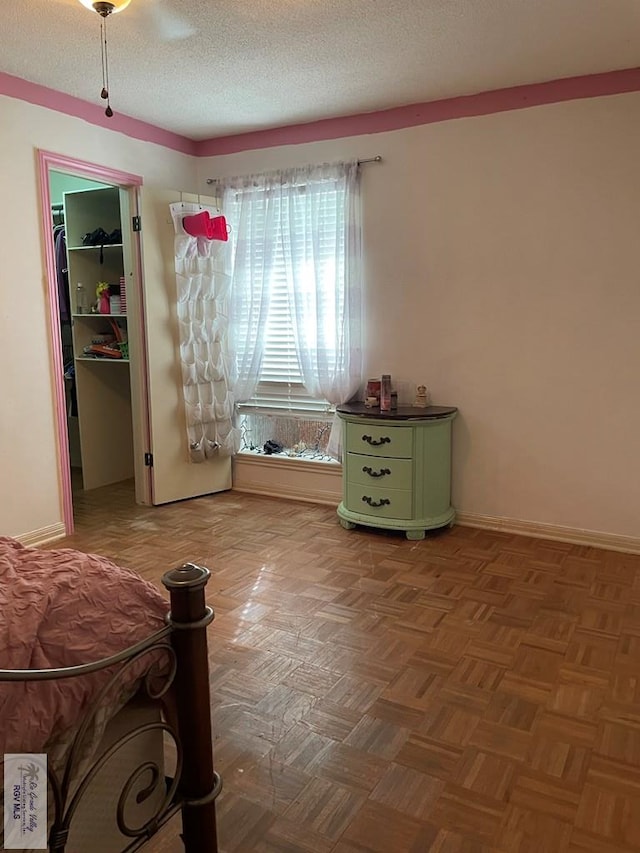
(384, 440)
(373, 473)
(381, 502)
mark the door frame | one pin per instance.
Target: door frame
(50, 161)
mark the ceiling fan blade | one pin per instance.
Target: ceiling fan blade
(157, 15)
(169, 25)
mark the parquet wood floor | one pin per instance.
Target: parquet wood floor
(473, 692)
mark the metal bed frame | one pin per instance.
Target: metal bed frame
(195, 786)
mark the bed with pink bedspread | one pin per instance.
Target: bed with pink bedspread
(95, 669)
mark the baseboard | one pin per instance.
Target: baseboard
(44, 535)
(284, 477)
(304, 495)
(559, 533)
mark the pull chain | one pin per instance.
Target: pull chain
(104, 94)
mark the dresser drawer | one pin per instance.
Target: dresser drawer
(378, 501)
(380, 440)
(384, 473)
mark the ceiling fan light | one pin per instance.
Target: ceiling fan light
(118, 5)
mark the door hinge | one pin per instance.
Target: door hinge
(148, 460)
(136, 222)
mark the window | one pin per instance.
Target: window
(295, 288)
(281, 382)
(302, 435)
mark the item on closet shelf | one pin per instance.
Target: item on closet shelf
(99, 237)
(422, 397)
(104, 350)
(385, 393)
(121, 341)
(123, 295)
(118, 333)
(114, 303)
(394, 400)
(102, 292)
(81, 299)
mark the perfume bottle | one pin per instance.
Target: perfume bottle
(385, 393)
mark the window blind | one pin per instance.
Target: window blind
(319, 235)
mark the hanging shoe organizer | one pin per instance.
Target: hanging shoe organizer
(202, 295)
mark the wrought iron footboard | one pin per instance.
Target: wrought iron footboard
(182, 645)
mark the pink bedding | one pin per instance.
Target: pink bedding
(60, 608)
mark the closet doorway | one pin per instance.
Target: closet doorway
(130, 409)
(97, 324)
(75, 263)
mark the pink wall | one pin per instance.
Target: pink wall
(33, 93)
(412, 115)
(484, 103)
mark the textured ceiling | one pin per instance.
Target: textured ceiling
(206, 68)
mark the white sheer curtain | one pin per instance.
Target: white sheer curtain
(322, 246)
(306, 220)
(252, 215)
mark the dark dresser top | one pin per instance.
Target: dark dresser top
(402, 413)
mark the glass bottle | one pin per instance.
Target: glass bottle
(81, 304)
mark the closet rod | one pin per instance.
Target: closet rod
(376, 159)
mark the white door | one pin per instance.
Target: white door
(174, 476)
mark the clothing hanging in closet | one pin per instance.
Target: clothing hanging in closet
(62, 274)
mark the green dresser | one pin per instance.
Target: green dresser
(396, 468)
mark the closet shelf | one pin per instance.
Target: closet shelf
(103, 359)
(96, 316)
(94, 248)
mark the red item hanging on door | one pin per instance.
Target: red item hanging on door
(219, 228)
(204, 225)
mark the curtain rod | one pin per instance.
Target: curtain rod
(376, 159)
